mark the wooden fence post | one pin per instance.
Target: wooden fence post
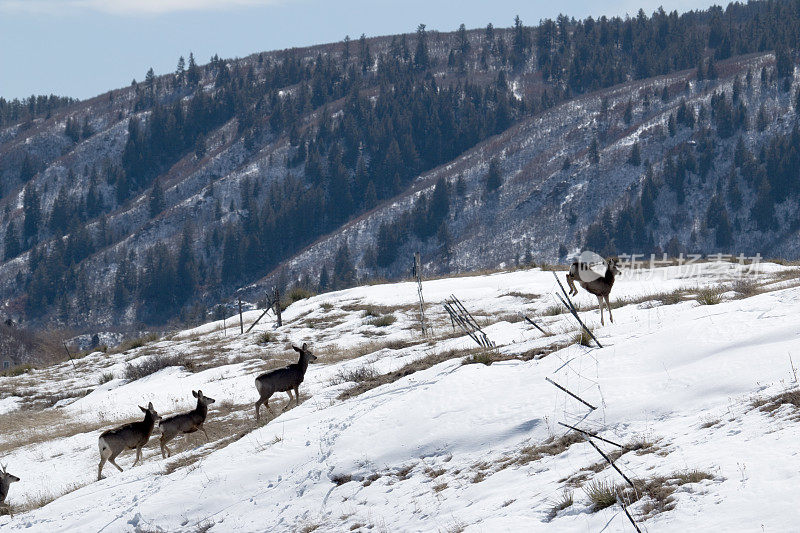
(241, 322)
(276, 298)
(418, 275)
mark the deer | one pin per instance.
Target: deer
(593, 283)
(6, 480)
(131, 436)
(185, 422)
(284, 380)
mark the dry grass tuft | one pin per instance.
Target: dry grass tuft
(382, 321)
(264, 338)
(42, 498)
(566, 500)
(658, 491)
(483, 357)
(745, 287)
(709, 295)
(773, 403)
(155, 363)
(602, 494)
(341, 479)
(582, 338)
(138, 342)
(17, 370)
(433, 473)
(554, 310)
(439, 487)
(404, 472)
(523, 295)
(356, 375)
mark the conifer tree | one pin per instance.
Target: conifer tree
(421, 57)
(493, 177)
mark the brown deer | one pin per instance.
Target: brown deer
(594, 283)
(185, 422)
(6, 480)
(126, 437)
(284, 379)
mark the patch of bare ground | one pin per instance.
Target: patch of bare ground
(640, 446)
(423, 363)
(43, 497)
(373, 310)
(527, 454)
(324, 322)
(225, 425)
(786, 274)
(334, 353)
(657, 493)
(523, 295)
(468, 356)
(771, 404)
(25, 427)
(489, 356)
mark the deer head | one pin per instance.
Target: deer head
(151, 411)
(203, 400)
(305, 353)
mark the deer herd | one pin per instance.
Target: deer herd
(135, 435)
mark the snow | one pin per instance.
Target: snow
(404, 456)
(9, 404)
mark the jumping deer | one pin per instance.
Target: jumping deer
(6, 480)
(126, 437)
(185, 422)
(284, 379)
(593, 283)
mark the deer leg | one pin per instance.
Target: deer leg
(204, 433)
(608, 305)
(572, 290)
(138, 455)
(165, 438)
(297, 395)
(285, 407)
(113, 462)
(600, 306)
(100, 468)
(163, 442)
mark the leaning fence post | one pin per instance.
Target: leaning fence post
(69, 355)
(584, 402)
(571, 309)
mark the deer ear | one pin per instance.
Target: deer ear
(296, 349)
(194, 394)
(150, 406)
(143, 409)
(305, 346)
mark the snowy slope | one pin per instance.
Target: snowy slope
(430, 451)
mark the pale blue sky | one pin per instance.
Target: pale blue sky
(84, 47)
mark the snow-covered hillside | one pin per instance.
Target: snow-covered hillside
(432, 440)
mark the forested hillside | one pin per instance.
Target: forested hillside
(321, 166)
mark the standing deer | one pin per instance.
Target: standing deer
(185, 422)
(593, 283)
(6, 480)
(126, 437)
(284, 379)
